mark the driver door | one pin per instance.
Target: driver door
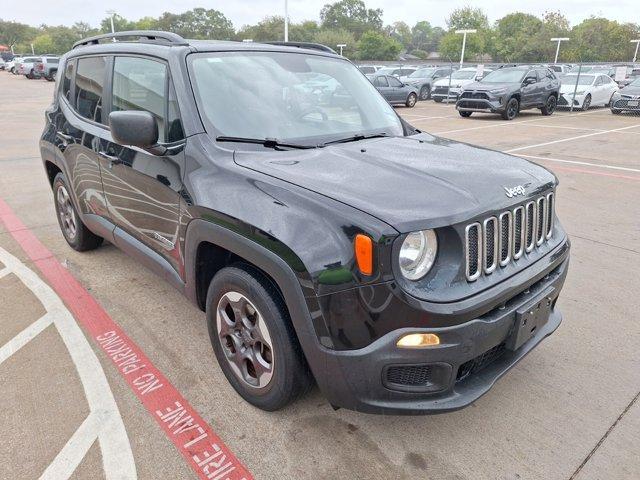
(397, 90)
(531, 91)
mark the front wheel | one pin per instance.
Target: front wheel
(77, 235)
(550, 106)
(437, 100)
(512, 109)
(465, 114)
(587, 103)
(253, 339)
(425, 92)
(411, 100)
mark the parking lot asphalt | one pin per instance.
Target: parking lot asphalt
(569, 410)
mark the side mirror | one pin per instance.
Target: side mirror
(135, 128)
(530, 80)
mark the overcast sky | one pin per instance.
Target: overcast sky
(241, 12)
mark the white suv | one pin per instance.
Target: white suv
(442, 90)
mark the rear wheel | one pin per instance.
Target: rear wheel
(77, 235)
(425, 92)
(587, 103)
(51, 77)
(465, 114)
(512, 109)
(253, 339)
(550, 106)
(411, 100)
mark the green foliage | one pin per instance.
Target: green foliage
(333, 38)
(402, 33)
(377, 46)
(12, 33)
(597, 39)
(421, 54)
(351, 15)
(468, 17)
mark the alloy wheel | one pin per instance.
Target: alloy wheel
(245, 339)
(424, 92)
(587, 103)
(66, 212)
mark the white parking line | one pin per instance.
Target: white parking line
(577, 162)
(578, 137)
(104, 422)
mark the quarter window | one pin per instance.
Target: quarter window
(89, 87)
(381, 81)
(66, 80)
(139, 84)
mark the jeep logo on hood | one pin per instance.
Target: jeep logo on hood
(515, 191)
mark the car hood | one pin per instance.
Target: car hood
(407, 79)
(570, 87)
(484, 87)
(628, 90)
(410, 183)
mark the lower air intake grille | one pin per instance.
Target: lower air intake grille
(480, 362)
(410, 375)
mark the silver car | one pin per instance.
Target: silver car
(27, 67)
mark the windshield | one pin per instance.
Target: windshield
(635, 83)
(507, 75)
(464, 74)
(583, 80)
(422, 73)
(291, 97)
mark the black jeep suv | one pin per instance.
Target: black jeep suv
(509, 90)
(326, 239)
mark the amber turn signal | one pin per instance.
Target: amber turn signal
(363, 247)
(416, 340)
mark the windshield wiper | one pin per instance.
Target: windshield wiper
(355, 138)
(266, 142)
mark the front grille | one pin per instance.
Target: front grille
(480, 362)
(500, 240)
(441, 90)
(624, 104)
(475, 95)
(409, 375)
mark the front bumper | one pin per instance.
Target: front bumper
(626, 104)
(445, 93)
(487, 104)
(472, 356)
(566, 99)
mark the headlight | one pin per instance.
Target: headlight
(417, 254)
(579, 93)
(617, 94)
(498, 91)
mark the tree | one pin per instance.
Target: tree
(120, 24)
(199, 23)
(600, 39)
(477, 43)
(351, 15)
(303, 32)
(519, 37)
(12, 33)
(376, 46)
(268, 29)
(333, 38)
(402, 33)
(467, 17)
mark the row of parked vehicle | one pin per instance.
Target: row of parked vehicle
(508, 89)
(32, 66)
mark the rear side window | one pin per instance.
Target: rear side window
(394, 82)
(66, 80)
(89, 87)
(381, 82)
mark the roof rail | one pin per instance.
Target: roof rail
(307, 45)
(143, 36)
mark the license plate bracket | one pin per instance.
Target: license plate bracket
(633, 103)
(530, 318)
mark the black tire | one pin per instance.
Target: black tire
(12, 70)
(616, 112)
(437, 100)
(512, 109)
(290, 377)
(465, 114)
(425, 92)
(550, 105)
(412, 99)
(586, 103)
(51, 77)
(79, 237)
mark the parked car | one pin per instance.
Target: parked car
(369, 69)
(509, 90)
(394, 91)
(632, 74)
(423, 79)
(27, 67)
(47, 68)
(559, 69)
(584, 91)
(459, 79)
(3, 64)
(397, 71)
(627, 99)
(12, 65)
(398, 271)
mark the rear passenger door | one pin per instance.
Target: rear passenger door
(382, 84)
(142, 190)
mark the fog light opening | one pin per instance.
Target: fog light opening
(418, 340)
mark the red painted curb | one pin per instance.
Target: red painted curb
(209, 457)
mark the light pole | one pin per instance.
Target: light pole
(286, 20)
(559, 40)
(635, 55)
(32, 50)
(464, 42)
(341, 46)
(111, 13)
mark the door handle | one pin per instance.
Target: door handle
(64, 137)
(112, 159)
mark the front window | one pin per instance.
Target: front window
(464, 74)
(423, 73)
(510, 75)
(296, 98)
